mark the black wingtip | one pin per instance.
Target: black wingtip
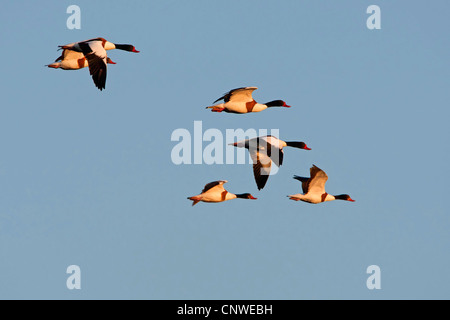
(99, 86)
(261, 183)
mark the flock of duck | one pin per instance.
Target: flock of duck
(263, 150)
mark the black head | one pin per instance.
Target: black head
(345, 197)
(246, 196)
(296, 144)
(277, 103)
(126, 47)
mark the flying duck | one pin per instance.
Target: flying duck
(94, 50)
(106, 45)
(72, 60)
(240, 100)
(264, 151)
(314, 188)
(214, 192)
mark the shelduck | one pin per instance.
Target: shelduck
(94, 50)
(240, 100)
(264, 151)
(72, 60)
(215, 192)
(106, 45)
(314, 188)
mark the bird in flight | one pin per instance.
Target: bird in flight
(314, 188)
(214, 192)
(264, 151)
(240, 100)
(72, 60)
(94, 53)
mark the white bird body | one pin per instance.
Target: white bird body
(240, 100)
(75, 46)
(72, 60)
(239, 107)
(72, 64)
(274, 141)
(93, 52)
(264, 151)
(314, 188)
(214, 192)
(109, 45)
(312, 198)
(217, 196)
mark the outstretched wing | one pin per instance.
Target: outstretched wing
(315, 184)
(97, 59)
(317, 181)
(215, 184)
(265, 146)
(243, 94)
(305, 183)
(97, 69)
(276, 154)
(261, 167)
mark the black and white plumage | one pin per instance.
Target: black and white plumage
(72, 60)
(264, 151)
(240, 100)
(214, 192)
(314, 188)
(238, 94)
(94, 51)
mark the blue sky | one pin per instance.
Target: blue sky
(86, 177)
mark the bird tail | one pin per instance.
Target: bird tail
(195, 200)
(293, 198)
(216, 108)
(53, 65)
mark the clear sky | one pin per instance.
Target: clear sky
(86, 177)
